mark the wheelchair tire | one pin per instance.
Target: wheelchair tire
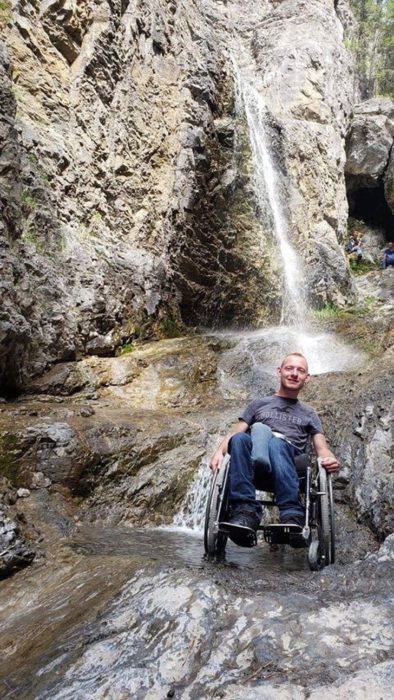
(332, 516)
(326, 516)
(215, 541)
(316, 558)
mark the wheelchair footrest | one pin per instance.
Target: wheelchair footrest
(280, 533)
(242, 536)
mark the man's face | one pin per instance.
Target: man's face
(293, 373)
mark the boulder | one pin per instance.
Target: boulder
(369, 142)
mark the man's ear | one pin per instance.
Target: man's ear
(307, 378)
(278, 372)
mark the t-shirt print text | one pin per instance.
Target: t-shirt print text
(278, 415)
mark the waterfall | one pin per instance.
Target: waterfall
(192, 513)
(270, 196)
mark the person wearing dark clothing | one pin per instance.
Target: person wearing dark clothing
(353, 247)
(388, 256)
(292, 423)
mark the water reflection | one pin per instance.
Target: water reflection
(179, 547)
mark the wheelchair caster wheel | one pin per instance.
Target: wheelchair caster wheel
(316, 559)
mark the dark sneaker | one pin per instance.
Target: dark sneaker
(296, 539)
(241, 527)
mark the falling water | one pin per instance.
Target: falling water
(269, 193)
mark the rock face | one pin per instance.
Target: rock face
(129, 434)
(370, 165)
(126, 181)
(370, 141)
(307, 83)
(15, 551)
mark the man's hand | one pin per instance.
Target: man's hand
(328, 459)
(330, 463)
(216, 460)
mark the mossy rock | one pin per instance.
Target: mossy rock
(10, 454)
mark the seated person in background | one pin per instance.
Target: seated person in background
(388, 256)
(351, 243)
(291, 422)
(353, 246)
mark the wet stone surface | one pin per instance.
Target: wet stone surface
(256, 623)
(111, 610)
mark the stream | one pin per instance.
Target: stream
(141, 614)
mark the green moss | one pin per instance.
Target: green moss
(31, 235)
(329, 311)
(362, 267)
(126, 349)
(9, 455)
(170, 328)
(28, 202)
(5, 12)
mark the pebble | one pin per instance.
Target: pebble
(39, 481)
(87, 411)
(23, 493)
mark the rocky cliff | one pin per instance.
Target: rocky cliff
(127, 202)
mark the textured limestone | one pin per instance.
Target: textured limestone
(370, 141)
(297, 50)
(128, 175)
(130, 432)
(389, 181)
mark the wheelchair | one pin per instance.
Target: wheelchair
(318, 532)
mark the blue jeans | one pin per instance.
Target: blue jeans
(387, 262)
(284, 475)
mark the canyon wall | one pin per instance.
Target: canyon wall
(127, 204)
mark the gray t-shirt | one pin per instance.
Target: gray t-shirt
(294, 419)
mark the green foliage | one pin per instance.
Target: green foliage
(126, 349)
(373, 45)
(361, 267)
(32, 236)
(5, 12)
(334, 312)
(9, 454)
(329, 311)
(28, 201)
(170, 328)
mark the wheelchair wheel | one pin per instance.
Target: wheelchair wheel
(316, 558)
(322, 547)
(215, 541)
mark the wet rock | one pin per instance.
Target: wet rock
(87, 411)
(293, 641)
(15, 553)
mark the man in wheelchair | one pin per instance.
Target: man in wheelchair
(265, 441)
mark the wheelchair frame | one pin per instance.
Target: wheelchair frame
(318, 531)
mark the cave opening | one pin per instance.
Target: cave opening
(368, 204)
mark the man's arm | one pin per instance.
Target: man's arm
(239, 427)
(328, 459)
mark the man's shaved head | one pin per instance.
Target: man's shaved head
(295, 354)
